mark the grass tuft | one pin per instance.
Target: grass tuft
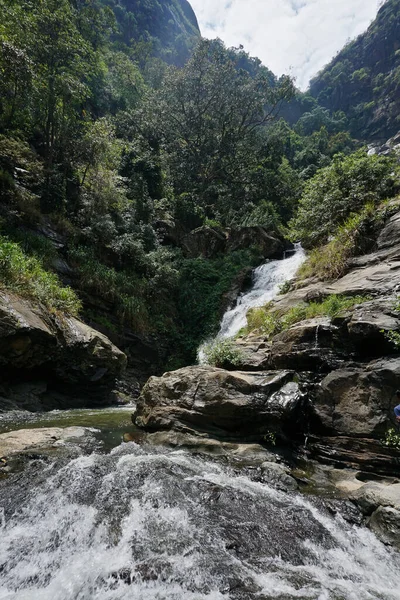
(26, 276)
(269, 322)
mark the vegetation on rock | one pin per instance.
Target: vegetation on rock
(26, 276)
(222, 353)
(268, 321)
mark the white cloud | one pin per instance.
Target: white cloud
(290, 36)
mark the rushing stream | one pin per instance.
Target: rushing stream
(267, 280)
(136, 521)
(147, 523)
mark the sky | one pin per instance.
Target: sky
(297, 37)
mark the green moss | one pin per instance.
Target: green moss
(26, 276)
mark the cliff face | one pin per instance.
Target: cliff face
(363, 79)
(169, 25)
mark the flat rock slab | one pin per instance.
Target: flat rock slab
(15, 442)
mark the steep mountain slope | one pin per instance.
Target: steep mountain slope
(363, 80)
(169, 25)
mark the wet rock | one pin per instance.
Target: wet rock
(368, 324)
(221, 403)
(38, 345)
(269, 244)
(209, 242)
(278, 476)
(206, 242)
(385, 523)
(373, 494)
(358, 401)
(354, 453)
(307, 346)
(15, 442)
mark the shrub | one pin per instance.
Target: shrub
(270, 322)
(331, 261)
(27, 277)
(342, 188)
(285, 287)
(34, 244)
(394, 338)
(392, 439)
(223, 353)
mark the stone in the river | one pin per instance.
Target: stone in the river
(385, 523)
(222, 403)
(15, 442)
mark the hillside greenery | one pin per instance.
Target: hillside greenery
(363, 80)
(117, 123)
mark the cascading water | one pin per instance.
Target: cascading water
(267, 280)
(151, 524)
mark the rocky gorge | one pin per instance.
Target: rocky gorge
(325, 387)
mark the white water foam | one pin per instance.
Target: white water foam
(267, 280)
(157, 525)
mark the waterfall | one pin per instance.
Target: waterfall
(267, 280)
(147, 523)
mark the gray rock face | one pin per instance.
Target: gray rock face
(35, 344)
(222, 403)
(358, 401)
(385, 523)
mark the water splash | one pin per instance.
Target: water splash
(267, 280)
(316, 345)
(151, 524)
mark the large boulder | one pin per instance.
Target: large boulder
(36, 344)
(205, 242)
(269, 244)
(221, 403)
(358, 402)
(306, 346)
(35, 440)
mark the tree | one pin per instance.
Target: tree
(209, 116)
(342, 188)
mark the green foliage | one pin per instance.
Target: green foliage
(202, 285)
(223, 353)
(26, 277)
(269, 438)
(363, 79)
(269, 322)
(392, 439)
(210, 118)
(394, 338)
(342, 188)
(285, 287)
(353, 237)
(126, 154)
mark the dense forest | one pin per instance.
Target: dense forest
(121, 131)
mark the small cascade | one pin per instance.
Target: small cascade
(316, 346)
(267, 279)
